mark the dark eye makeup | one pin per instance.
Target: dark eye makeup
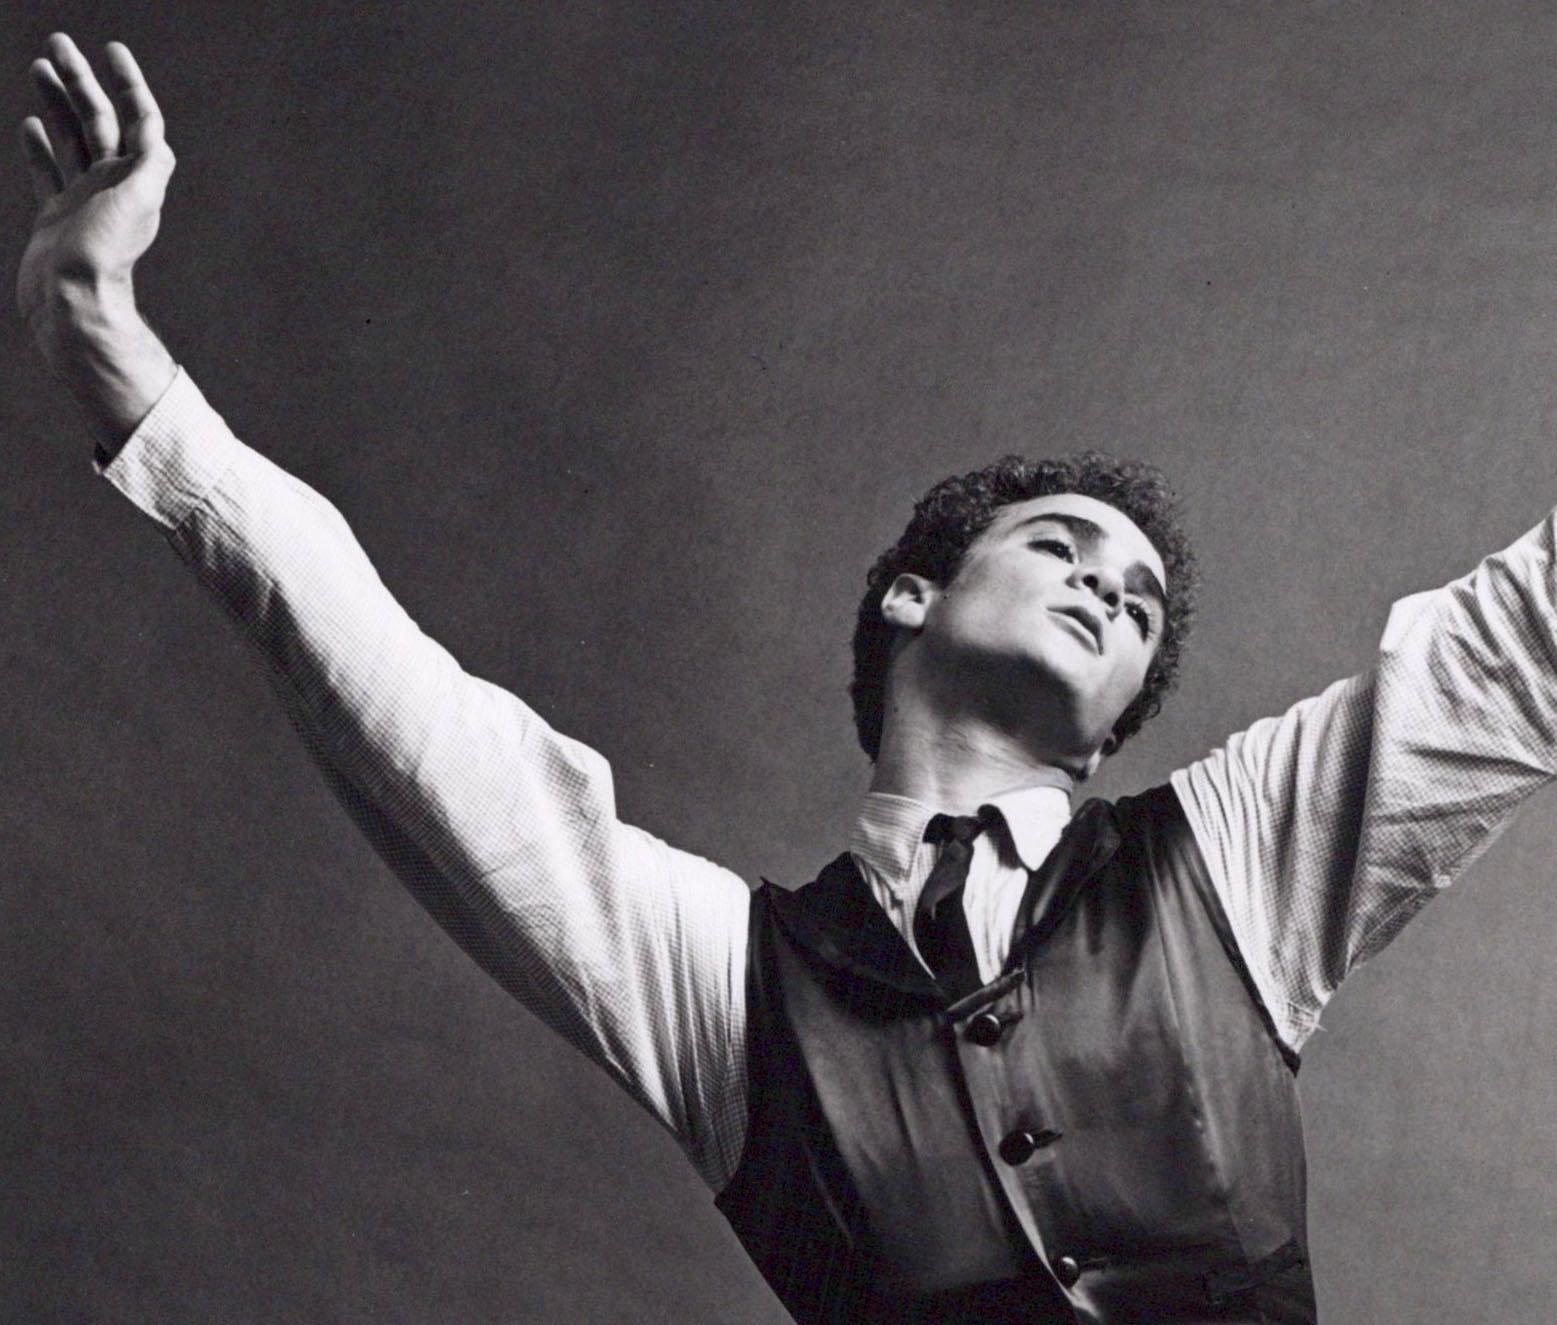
(1060, 548)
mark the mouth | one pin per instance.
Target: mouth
(1084, 624)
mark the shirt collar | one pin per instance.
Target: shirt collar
(1032, 814)
(889, 830)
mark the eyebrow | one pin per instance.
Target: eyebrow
(1138, 577)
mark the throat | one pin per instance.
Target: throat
(956, 769)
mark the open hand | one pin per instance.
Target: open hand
(100, 169)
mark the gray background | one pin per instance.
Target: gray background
(624, 333)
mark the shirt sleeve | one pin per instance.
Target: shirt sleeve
(1327, 828)
(504, 830)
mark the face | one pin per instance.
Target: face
(1049, 624)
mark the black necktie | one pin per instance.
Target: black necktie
(940, 924)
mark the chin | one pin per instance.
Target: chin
(1052, 693)
(1051, 703)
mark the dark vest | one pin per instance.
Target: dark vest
(1106, 1133)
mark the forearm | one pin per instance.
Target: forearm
(394, 711)
(100, 350)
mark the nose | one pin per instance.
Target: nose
(1102, 581)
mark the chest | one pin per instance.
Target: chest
(1110, 1111)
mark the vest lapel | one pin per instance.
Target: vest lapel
(1085, 847)
(837, 920)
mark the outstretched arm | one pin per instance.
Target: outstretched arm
(505, 830)
(1329, 827)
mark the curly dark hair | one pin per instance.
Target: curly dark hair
(948, 519)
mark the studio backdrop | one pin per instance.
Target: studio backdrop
(624, 335)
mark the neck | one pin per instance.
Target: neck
(955, 764)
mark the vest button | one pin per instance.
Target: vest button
(1067, 1271)
(985, 1029)
(1018, 1147)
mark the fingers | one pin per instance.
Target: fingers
(80, 123)
(46, 181)
(64, 129)
(138, 113)
(94, 112)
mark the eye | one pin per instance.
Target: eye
(1141, 617)
(1063, 550)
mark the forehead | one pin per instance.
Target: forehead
(1122, 537)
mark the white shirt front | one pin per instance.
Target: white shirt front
(889, 847)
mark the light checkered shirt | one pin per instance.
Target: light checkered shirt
(1325, 829)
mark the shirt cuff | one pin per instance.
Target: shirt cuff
(175, 457)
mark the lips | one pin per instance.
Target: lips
(1086, 621)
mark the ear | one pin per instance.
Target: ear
(907, 601)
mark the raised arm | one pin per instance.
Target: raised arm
(505, 830)
(1327, 828)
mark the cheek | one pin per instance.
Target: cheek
(1132, 670)
(989, 601)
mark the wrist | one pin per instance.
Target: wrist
(100, 349)
(80, 311)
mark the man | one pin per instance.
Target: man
(998, 1062)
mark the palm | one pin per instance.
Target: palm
(104, 219)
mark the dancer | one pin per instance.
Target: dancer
(1000, 1061)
